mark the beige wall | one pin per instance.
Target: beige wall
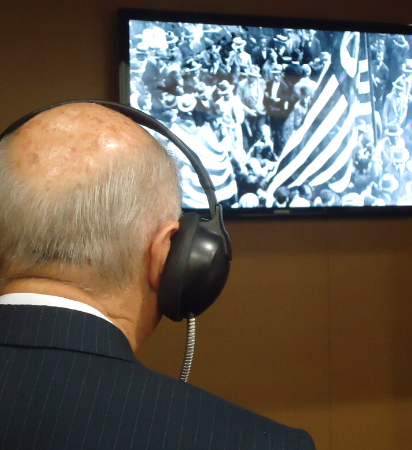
(314, 328)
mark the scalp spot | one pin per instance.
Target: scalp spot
(26, 145)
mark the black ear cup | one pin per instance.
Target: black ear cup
(196, 269)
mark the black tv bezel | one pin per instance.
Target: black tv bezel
(127, 14)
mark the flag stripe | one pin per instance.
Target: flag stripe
(363, 66)
(313, 113)
(364, 87)
(339, 162)
(219, 177)
(214, 157)
(364, 109)
(193, 198)
(330, 150)
(313, 142)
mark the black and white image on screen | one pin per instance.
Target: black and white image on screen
(281, 117)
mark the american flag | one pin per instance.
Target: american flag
(320, 151)
(215, 159)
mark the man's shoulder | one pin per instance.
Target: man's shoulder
(123, 404)
(172, 414)
(167, 413)
(222, 423)
(112, 400)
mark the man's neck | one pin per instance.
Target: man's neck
(46, 286)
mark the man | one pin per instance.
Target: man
(231, 106)
(407, 77)
(191, 44)
(214, 32)
(387, 189)
(156, 70)
(395, 107)
(380, 78)
(311, 48)
(238, 61)
(173, 51)
(252, 93)
(293, 41)
(280, 46)
(304, 93)
(319, 66)
(259, 54)
(173, 83)
(139, 61)
(203, 112)
(276, 109)
(301, 197)
(281, 197)
(367, 170)
(270, 65)
(294, 70)
(397, 52)
(90, 202)
(263, 149)
(191, 75)
(384, 149)
(154, 36)
(326, 197)
(306, 79)
(214, 69)
(168, 112)
(398, 169)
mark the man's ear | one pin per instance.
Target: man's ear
(159, 250)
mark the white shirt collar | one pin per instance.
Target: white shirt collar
(49, 300)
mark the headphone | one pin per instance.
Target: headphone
(198, 262)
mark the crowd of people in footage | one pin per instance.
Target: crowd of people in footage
(252, 88)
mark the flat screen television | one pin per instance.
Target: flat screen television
(290, 117)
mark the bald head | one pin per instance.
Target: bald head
(73, 142)
(83, 185)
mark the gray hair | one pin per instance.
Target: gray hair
(104, 224)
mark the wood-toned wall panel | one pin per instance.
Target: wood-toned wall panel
(370, 282)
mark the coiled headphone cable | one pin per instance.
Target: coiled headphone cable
(190, 347)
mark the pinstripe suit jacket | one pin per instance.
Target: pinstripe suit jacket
(69, 380)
